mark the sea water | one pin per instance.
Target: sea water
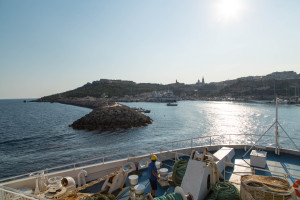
(35, 136)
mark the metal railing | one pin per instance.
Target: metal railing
(7, 193)
(225, 139)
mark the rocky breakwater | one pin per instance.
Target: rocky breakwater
(86, 102)
(110, 118)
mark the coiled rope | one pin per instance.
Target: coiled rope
(224, 191)
(172, 196)
(178, 171)
(99, 196)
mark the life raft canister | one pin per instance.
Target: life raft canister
(296, 186)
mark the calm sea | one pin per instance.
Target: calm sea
(36, 136)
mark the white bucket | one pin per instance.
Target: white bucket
(139, 189)
(163, 171)
(157, 164)
(133, 179)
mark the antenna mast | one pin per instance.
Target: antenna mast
(277, 150)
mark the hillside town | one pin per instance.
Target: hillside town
(283, 85)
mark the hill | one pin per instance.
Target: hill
(256, 87)
(262, 87)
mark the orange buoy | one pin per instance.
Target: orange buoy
(296, 186)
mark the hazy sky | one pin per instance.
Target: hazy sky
(51, 46)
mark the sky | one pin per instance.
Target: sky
(52, 46)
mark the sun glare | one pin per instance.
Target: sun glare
(227, 11)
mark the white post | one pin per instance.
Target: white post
(37, 190)
(276, 129)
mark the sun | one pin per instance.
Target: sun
(227, 11)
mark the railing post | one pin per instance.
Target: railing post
(229, 139)
(172, 146)
(209, 140)
(224, 173)
(128, 155)
(191, 143)
(102, 160)
(74, 166)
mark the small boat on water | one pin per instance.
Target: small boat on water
(172, 104)
(213, 166)
(142, 110)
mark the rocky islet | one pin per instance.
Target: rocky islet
(111, 118)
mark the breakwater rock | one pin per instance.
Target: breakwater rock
(110, 118)
(86, 102)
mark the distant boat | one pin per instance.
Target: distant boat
(141, 110)
(172, 104)
(298, 105)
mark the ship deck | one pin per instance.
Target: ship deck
(275, 166)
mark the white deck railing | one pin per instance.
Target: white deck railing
(225, 139)
(7, 193)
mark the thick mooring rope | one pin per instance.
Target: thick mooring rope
(99, 196)
(179, 171)
(224, 191)
(171, 196)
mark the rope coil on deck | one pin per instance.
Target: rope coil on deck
(172, 196)
(100, 196)
(179, 169)
(224, 191)
(266, 188)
